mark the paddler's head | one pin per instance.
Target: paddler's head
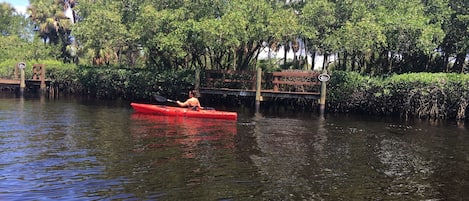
(192, 93)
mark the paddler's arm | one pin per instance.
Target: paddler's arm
(182, 104)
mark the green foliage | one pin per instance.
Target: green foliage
(53, 25)
(12, 48)
(129, 83)
(103, 34)
(15, 35)
(318, 22)
(422, 95)
(11, 22)
(370, 37)
(346, 91)
(7, 68)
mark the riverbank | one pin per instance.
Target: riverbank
(412, 95)
(420, 95)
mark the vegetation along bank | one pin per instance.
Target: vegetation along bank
(410, 95)
(406, 58)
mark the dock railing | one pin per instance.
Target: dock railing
(230, 79)
(296, 81)
(285, 84)
(37, 80)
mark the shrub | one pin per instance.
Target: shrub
(422, 95)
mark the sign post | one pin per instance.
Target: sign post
(22, 66)
(324, 77)
(258, 88)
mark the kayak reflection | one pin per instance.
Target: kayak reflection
(189, 135)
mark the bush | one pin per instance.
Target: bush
(422, 95)
(346, 91)
(129, 83)
(7, 68)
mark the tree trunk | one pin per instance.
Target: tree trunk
(390, 59)
(313, 59)
(447, 63)
(234, 59)
(285, 55)
(459, 63)
(197, 78)
(306, 67)
(463, 65)
(325, 61)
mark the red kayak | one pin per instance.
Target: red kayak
(183, 112)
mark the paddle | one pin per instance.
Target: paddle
(163, 99)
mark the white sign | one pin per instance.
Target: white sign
(324, 77)
(21, 65)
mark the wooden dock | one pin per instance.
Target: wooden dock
(284, 84)
(37, 81)
(264, 93)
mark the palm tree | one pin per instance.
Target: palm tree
(52, 24)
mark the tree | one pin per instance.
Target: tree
(53, 24)
(377, 37)
(456, 42)
(384, 36)
(161, 36)
(101, 34)
(8, 20)
(15, 34)
(318, 23)
(409, 32)
(284, 29)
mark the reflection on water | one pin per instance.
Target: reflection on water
(73, 149)
(283, 157)
(159, 132)
(351, 159)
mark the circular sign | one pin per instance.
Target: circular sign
(21, 65)
(324, 77)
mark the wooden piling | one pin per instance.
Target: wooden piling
(39, 73)
(22, 66)
(258, 88)
(43, 79)
(322, 99)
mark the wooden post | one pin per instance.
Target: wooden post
(22, 66)
(258, 88)
(22, 81)
(43, 79)
(276, 83)
(322, 100)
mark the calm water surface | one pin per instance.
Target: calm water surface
(74, 149)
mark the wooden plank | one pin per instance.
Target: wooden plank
(264, 93)
(295, 74)
(237, 81)
(230, 72)
(296, 83)
(37, 82)
(9, 81)
(229, 78)
(226, 91)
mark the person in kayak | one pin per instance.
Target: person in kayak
(193, 101)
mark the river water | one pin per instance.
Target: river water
(81, 149)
